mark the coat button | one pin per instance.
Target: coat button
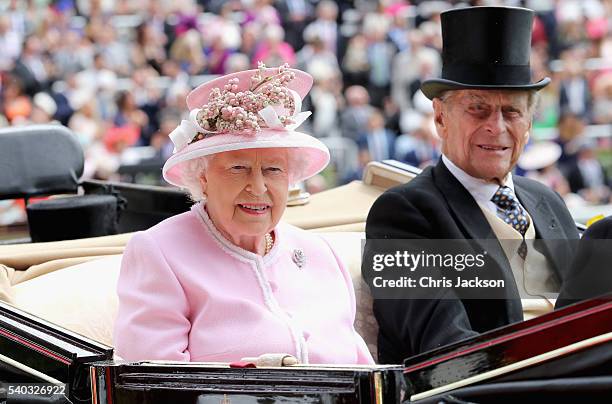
(306, 335)
(273, 286)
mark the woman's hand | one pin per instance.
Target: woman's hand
(272, 360)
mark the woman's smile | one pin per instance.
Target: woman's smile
(255, 209)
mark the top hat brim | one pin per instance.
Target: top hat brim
(433, 88)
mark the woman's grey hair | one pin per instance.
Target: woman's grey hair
(191, 176)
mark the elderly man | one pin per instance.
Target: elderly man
(483, 109)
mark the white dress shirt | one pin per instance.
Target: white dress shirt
(481, 190)
(534, 277)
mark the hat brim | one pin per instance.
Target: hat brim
(308, 155)
(433, 88)
(540, 155)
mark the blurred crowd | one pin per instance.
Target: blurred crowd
(117, 72)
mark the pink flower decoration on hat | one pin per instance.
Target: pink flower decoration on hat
(268, 103)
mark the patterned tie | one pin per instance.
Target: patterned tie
(510, 211)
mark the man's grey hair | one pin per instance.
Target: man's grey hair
(533, 97)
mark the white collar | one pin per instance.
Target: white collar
(481, 190)
(231, 248)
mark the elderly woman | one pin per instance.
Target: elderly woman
(228, 280)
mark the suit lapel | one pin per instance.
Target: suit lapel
(470, 217)
(462, 204)
(547, 227)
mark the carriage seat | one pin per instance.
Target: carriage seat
(74, 286)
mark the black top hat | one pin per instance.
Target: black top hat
(485, 48)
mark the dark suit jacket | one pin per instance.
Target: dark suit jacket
(434, 205)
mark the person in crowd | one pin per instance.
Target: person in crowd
(483, 106)
(295, 15)
(161, 141)
(392, 114)
(419, 147)
(249, 40)
(85, 122)
(363, 158)
(571, 128)
(325, 99)
(539, 161)
(179, 83)
(116, 54)
(602, 99)
(222, 37)
(325, 26)
(355, 64)
(405, 69)
(380, 54)
(16, 105)
(586, 175)
(237, 62)
(377, 140)
(274, 51)
(399, 29)
(315, 53)
(574, 91)
(357, 112)
(100, 78)
(188, 51)
(261, 12)
(148, 48)
(128, 113)
(30, 67)
(10, 44)
(191, 287)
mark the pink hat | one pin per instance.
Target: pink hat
(252, 109)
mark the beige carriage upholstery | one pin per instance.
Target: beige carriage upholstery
(73, 283)
(77, 291)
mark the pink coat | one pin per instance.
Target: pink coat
(186, 293)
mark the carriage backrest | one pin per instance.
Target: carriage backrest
(39, 160)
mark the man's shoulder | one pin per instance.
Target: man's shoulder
(423, 183)
(537, 188)
(530, 184)
(601, 229)
(541, 194)
(420, 193)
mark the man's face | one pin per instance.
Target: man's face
(484, 131)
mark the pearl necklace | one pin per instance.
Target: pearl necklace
(269, 243)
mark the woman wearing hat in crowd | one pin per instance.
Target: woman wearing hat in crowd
(539, 161)
(228, 280)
